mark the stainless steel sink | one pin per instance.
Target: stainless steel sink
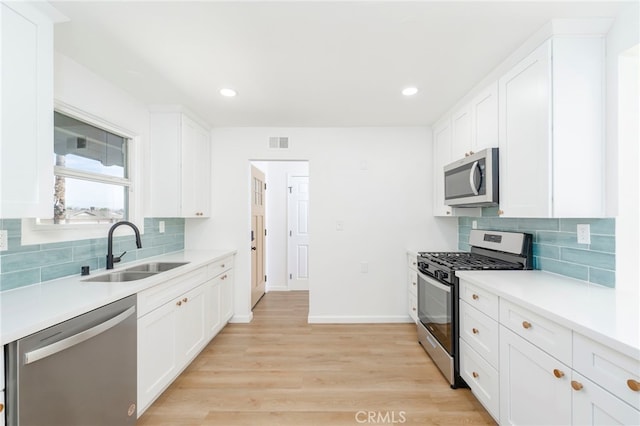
(120, 276)
(156, 266)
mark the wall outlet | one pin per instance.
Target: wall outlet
(4, 240)
(161, 226)
(584, 233)
(474, 224)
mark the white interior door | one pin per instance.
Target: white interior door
(298, 245)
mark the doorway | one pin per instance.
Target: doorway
(286, 222)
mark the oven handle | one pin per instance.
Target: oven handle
(435, 283)
(63, 344)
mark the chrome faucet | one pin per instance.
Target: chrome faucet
(110, 258)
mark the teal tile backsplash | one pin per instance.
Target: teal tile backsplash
(30, 264)
(555, 244)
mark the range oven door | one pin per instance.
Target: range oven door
(435, 310)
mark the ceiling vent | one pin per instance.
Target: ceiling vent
(279, 142)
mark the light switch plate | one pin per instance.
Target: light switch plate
(4, 240)
(584, 233)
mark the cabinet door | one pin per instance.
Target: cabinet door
(441, 157)
(195, 170)
(530, 392)
(593, 405)
(213, 305)
(461, 123)
(157, 362)
(484, 114)
(226, 296)
(190, 324)
(525, 136)
(26, 142)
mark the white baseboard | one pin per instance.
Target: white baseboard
(299, 286)
(277, 288)
(353, 319)
(241, 319)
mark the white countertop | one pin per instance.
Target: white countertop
(26, 310)
(603, 314)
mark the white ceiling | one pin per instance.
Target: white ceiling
(304, 63)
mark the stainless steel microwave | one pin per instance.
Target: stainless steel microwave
(473, 180)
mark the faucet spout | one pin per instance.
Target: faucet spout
(110, 258)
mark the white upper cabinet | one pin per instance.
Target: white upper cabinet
(461, 122)
(475, 125)
(26, 154)
(180, 166)
(442, 134)
(551, 131)
(484, 121)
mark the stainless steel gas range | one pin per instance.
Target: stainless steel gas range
(438, 313)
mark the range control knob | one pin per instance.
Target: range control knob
(441, 275)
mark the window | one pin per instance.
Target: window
(91, 173)
(95, 172)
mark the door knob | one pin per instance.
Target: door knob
(253, 248)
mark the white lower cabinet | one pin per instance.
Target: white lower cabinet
(168, 339)
(176, 320)
(592, 405)
(534, 386)
(412, 285)
(482, 378)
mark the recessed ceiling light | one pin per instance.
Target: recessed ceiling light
(229, 93)
(409, 91)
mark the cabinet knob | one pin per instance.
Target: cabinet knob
(448, 212)
(633, 385)
(414, 263)
(475, 297)
(413, 309)
(526, 324)
(224, 277)
(576, 385)
(475, 375)
(471, 152)
(185, 300)
(179, 303)
(1, 407)
(475, 331)
(558, 373)
(414, 283)
(466, 154)
(222, 266)
(500, 212)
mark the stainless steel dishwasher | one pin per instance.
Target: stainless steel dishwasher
(80, 372)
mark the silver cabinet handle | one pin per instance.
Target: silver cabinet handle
(472, 180)
(63, 344)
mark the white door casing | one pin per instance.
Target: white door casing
(298, 243)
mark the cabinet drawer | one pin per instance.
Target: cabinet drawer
(610, 369)
(547, 335)
(593, 405)
(484, 301)
(412, 282)
(481, 377)
(413, 306)
(412, 261)
(160, 294)
(219, 266)
(480, 332)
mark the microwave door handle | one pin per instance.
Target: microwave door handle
(472, 178)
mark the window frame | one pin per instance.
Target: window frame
(35, 232)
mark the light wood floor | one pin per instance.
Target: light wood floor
(279, 370)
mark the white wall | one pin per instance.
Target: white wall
(623, 197)
(376, 180)
(78, 87)
(276, 174)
